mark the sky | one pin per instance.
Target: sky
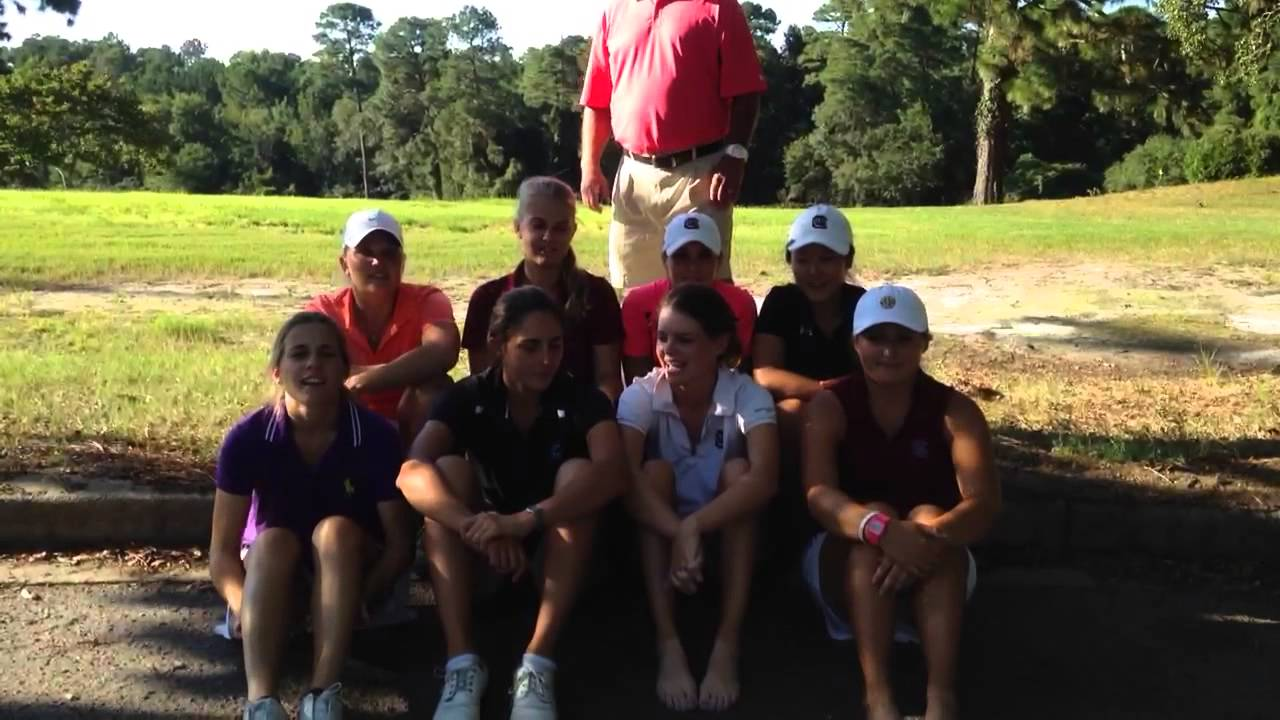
(228, 26)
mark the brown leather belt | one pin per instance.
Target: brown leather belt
(676, 159)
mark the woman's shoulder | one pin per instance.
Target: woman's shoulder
(329, 303)
(253, 428)
(490, 289)
(372, 430)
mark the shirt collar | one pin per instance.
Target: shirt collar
(493, 395)
(721, 396)
(350, 429)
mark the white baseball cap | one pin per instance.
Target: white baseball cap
(890, 304)
(691, 227)
(821, 225)
(363, 222)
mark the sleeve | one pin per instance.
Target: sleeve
(754, 406)
(635, 326)
(455, 407)
(746, 317)
(435, 307)
(233, 472)
(773, 313)
(605, 323)
(383, 456)
(594, 407)
(597, 85)
(475, 331)
(740, 72)
(635, 407)
(319, 303)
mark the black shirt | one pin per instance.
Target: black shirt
(518, 469)
(787, 314)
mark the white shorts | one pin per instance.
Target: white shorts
(837, 625)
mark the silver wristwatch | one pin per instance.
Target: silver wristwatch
(738, 151)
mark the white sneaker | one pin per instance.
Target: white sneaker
(324, 706)
(462, 693)
(267, 708)
(533, 696)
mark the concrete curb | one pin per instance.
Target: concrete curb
(41, 513)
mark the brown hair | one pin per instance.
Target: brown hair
(705, 305)
(297, 320)
(573, 278)
(512, 309)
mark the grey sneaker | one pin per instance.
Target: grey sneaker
(324, 706)
(462, 693)
(267, 708)
(533, 696)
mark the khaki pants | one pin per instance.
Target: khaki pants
(645, 198)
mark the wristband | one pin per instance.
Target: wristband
(872, 528)
(536, 512)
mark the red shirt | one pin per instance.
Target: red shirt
(668, 69)
(417, 306)
(640, 316)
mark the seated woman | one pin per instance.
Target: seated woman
(898, 470)
(513, 458)
(306, 487)
(703, 448)
(691, 254)
(402, 338)
(545, 223)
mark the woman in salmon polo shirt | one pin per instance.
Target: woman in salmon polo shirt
(306, 490)
(402, 338)
(690, 252)
(545, 224)
(703, 447)
(898, 471)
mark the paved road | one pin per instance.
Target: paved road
(1039, 644)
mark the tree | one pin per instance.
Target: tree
(58, 117)
(345, 32)
(549, 84)
(1191, 23)
(66, 7)
(410, 56)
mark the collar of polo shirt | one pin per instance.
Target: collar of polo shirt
(721, 397)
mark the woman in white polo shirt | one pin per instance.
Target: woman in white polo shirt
(703, 445)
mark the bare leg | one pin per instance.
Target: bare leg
(270, 568)
(676, 687)
(568, 552)
(789, 511)
(415, 406)
(872, 615)
(939, 606)
(450, 562)
(338, 548)
(720, 686)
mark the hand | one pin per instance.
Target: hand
(507, 557)
(726, 180)
(595, 189)
(481, 529)
(891, 578)
(914, 547)
(686, 557)
(357, 380)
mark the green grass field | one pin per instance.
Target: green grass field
(53, 238)
(170, 377)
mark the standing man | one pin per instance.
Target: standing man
(678, 85)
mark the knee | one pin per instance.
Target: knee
(575, 471)
(733, 472)
(458, 475)
(925, 513)
(337, 536)
(660, 476)
(273, 549)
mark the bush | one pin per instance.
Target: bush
(1220, 154)
(1033, 178)
(1262, 151)
(1158, 162)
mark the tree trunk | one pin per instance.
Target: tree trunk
(991, 124)
(364, 166)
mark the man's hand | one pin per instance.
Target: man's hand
(507, 557)
(912, 547)
(357, 380)
(595, 188)
(726, 180)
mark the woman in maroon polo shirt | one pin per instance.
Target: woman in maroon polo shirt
(898, 470)
(307, 482)
(545, 222)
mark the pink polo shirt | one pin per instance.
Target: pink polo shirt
(668, 69)
(640, 316)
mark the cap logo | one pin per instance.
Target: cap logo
(819, 222)
(888, 302)
(373, 215)
(691, 223)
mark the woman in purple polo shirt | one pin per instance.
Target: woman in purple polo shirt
(546, 220)
(306, 483)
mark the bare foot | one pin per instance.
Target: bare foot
(676, 689)
(880, 706)
(942, 706)
(720, 686)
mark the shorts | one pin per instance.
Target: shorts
(838, 627)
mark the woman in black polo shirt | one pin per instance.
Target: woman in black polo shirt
(803, 342)
(516, 454)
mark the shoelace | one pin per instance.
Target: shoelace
(532, 681)
(460, 680)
